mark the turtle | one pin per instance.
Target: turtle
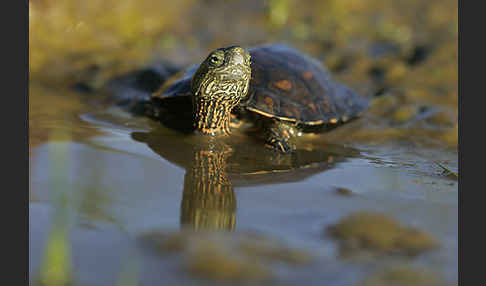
(278, 89)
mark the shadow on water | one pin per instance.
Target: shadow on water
(215, 165)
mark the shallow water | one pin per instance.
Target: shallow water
(124, 177)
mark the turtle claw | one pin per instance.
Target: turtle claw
(278, 145)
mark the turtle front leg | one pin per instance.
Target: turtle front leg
(278, 135)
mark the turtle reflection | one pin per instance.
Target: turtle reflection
(208, 199)
(215, 165)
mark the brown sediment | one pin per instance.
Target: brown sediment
(403, 276)
(229, 257)
(379, 233)
(217, 264)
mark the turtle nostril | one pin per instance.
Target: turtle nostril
(239, 50)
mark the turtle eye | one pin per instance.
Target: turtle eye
(215, 60)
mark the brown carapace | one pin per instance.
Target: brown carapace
(276, 86)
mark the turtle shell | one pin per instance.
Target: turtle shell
(288, 85)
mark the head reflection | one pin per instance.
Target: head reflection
(208, 199)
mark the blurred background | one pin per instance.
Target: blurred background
(400, 54)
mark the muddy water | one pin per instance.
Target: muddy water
(124, 178)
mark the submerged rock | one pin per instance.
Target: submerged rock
(403, 276)
(379, 233)
(228, 257)
(209, 260)
(343, 192)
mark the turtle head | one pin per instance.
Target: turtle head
(218, 85)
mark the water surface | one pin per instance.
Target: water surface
(123, 177)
